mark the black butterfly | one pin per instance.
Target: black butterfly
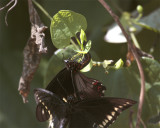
(87, 113)
(70, 81)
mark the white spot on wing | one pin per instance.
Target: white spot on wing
(104, 123)
(109, 117)
(124, 104)
(49, 112)
(115, 108)
(51, 116)
(127, 103)
(120, 106)
(46, 107)
(42, 111)
(112, 113)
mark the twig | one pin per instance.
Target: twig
(130, 46)
(15, 3)
(130, 119)
(142, 122)
(6, 5)
(42, 9)
(134, 40)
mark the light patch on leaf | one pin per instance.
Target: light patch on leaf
(64, 25)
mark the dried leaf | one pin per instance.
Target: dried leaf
(32, 52)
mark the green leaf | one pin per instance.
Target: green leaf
(152, 69)
(88, 67)
(64, 25)
(83, 36)
(88, 46)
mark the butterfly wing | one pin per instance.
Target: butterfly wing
(57, 86)
(80, 119)
(88, 87)
(61, 84)
(100, 112)
(49, 105)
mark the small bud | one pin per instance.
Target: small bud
(106, 63)
(132, 29)
(119, 64)
(140, 9)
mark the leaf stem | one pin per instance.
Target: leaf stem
(143, 25)
(134, 40)
(78, 41)
(74, 44)
(42, 9)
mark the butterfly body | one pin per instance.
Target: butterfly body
(78, 64)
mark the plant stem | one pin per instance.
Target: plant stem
(42, 9)
(135, 40)
(78, 41)
(130, 47)
(74, 44)
(95, 63)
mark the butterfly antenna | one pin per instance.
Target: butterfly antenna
(74, 87)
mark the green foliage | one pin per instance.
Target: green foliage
(83, 36)
(86, 49)
(64, 25)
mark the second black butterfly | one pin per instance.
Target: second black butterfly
(87, 113)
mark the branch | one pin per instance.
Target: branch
(130, 46)
(130, 119)
(9, 3)
(42, 9)
(32, 52)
